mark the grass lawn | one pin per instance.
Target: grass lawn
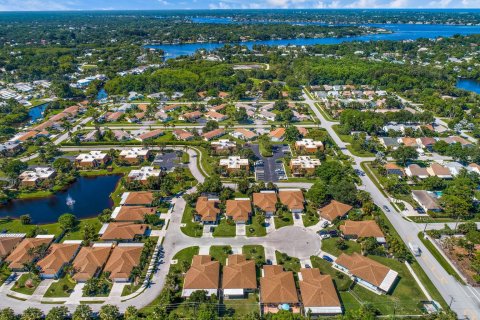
(289, 263)
(77, 232)
(342, 282)
(226, 228)
(184, 255)
(4, 273)
(360, 153)
(285, 220)
(254, 252)
(61, 288)
(256, 228)
(20, 284)
(220, 253)
(34, 194)
(191, 229)
(329, 245)
(241, 307)
(310, 219)
(15, 226)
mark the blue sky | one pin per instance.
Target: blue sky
(33, 5)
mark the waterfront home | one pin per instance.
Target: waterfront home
(318, 293)
(92, 159)
(23, 252)
(134, 155)
(8, 242)
(124, 257)
(303, 165)
(239, 277)
(277, 287)
(137, 198)
(334, 210)
(293, 199)
(239, 210)
(90, 261)
(143, 174)
(35, 176)
(277, 135)
(362, 229)
(207, 210)
(244, 134)
(207, 136)
(58, 256)
(427, 200)
(183, 135)
(234, 163)
(308, 145)
(122, 231)
(132, 213)
(266, 201)
(150, 135)
(368, 273)
(204, 274)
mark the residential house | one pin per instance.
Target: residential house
(35, 176)
(362, 229)
(473, 167)
(190, 116)
(426, 143)
(162, 116)
(138, 198)
(234, 163)
(334, 210)
(23, 251)
(392, 168)
(414, 170)
(132, 213)
(440, 171)
(124, 257)
(367, 272)
(277, 135)
(293, 199)
(134, 155)
(114, 116)
(121, 135)
(207, 136)
(223, 145)
(239, 277)
(58, 256)
(266, 201)
(90, 261)
(143, 174)
(318, 293)
(239, 210)
(122, 231)
(277, 287)
(215, 116)
(267, 115)
(454, 167)
(92, 159)
(427, 200)
(303, 165)
(204, 274)
(150, 135)
(10, 148)
(8, 242)
(389, 143)
(183, 135)
(456, 139)
(308, 145)
(171, 107)
(408, 142)
(303, 131)
(207, 210)
(244, 134)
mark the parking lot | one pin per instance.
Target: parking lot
(168, 160)
(271, 169)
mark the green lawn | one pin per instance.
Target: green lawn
(20, 284)
(192, 229)
(310, 219)
(329, 245)
(226, 228)
(239, 308)
(220, 253)
(4, 273)
(289, 263)
(15, 226)
(184, 255)
(34, 194)
(285, 220)
(342, 282)
(61, 288)
(254, 252)
(78, 231)
(256, 228)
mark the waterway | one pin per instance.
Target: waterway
(91, 196)
(469, 85)
(399, 32)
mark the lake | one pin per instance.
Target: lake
(469, 85)
(91, 195)
(36, 113)
(399, 32)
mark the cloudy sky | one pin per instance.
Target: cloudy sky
(21, 5)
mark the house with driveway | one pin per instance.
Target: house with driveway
(8, 242)
(239, 210)
(334, 210)
(277, 288)
(266, 201)
(90, 261)
(362, 229)
(207, 210)
(124, 257)
(204, 274)
(293, 199)
(24, 251)
(59, 255)
(318, 293)
(239, 277)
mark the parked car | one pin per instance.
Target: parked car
(327, 258)
(325, 236)
(386, 208)
(324, 224)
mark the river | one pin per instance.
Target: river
(91, 196)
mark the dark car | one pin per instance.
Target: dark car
(386, 208)
(327, 258)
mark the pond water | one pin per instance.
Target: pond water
(102, 94)
(469, 85)
(36, 113)
(399, 32)
(90, 194)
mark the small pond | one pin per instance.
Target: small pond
(90, 196)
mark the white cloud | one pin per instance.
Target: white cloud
(36, 5)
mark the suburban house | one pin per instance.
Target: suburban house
(10, 148)
(8, 242)
(223, 145)
(143, 174)
(122, 231)
(427, 200)
(303, 165)
(215, 116)
(440, 171)
(426, 143)
(474, 167)
(150, 135)
(35, 176)
(277, 287)
(234, 163)
(414, 170)
(318, 293)
(90, 261)
(23, 251)
(190, 116)
(266, 201)
(308, 145)
(204, 274)
(392, 168)
(293, 199)
(92, 159)
(277, 135)
(362, 229)
(454, 167)
(138, 198)
(239, 210)
(114, 116)
(183, 135)
(59, 255)
(121, 135)
(335, 209)
(207, 136)
(389, 143)
(367, 272)
(132, 213)
(244, 134)
(456, 139)
(239, 277)
(207, 210)
(134, 155)
(124, 257)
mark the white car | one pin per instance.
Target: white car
(324, 224)
(325, 236)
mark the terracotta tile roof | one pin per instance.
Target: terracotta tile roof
(335, 209)
(303, 131)
(248, 134)
(182, 134)
(203, 274)
(89, 261)
(207, 209)
(114, 116)
(436, 169)
(392, 166)
(215, 115)
(28, 135)
(239, 210)
(123, 231)
(265, 201)
(171, 107)
(122, 260)
(293, 199)
(362, 229)
(139, 198)
(416, 170)
(317, 290)
(21, 255)
(59, 255)
(409, 142)
(134, 213)
(143, 107)
(7, 244)
(277, 286)
(277, 133)
(151, 134)
(239, 273)
(213, 134)
(191, 115)
(364, 268)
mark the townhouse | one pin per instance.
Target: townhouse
(8, 242)
(132, 213)
(303, 165)
(24, 251)
(92, 159)
(215, 116)
(59, 255)
(90, 261)
(234, 163)
(204, 274)
(308, 146)
(183, 135)
(150, 135)
(210, 135)
(277, 287)
(124, 257)
(239, 277)
(134, 155)
(35, 176)
(143, 174)
(122, 231)
(318, 293)
(334, 210)
(138, 198)
(190, 116)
